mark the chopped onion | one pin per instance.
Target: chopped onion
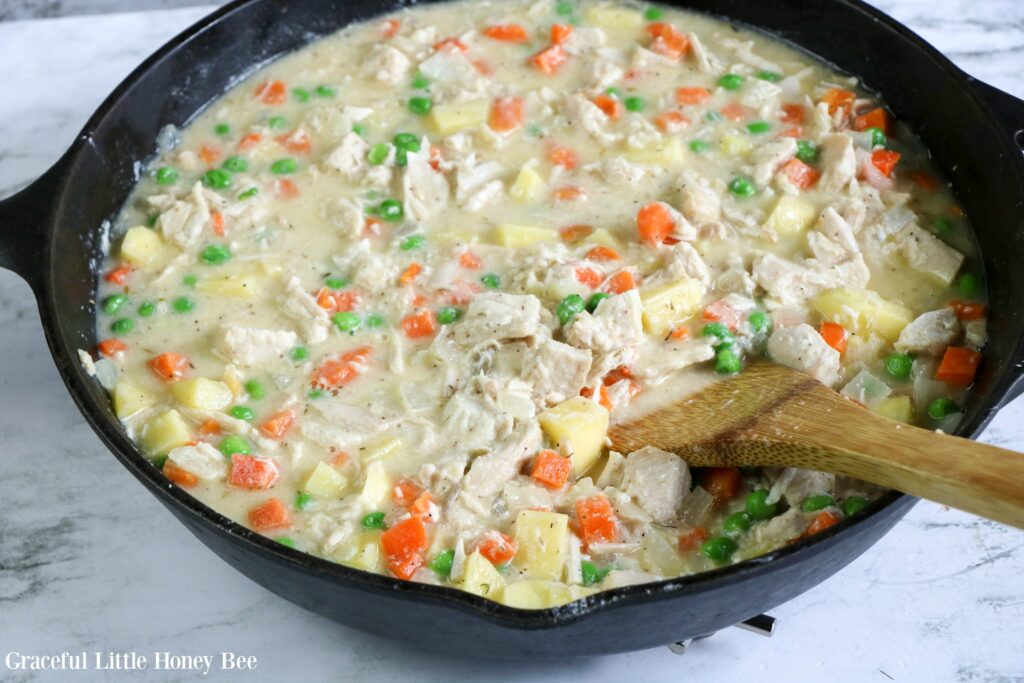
(695, 506)
(107, 373)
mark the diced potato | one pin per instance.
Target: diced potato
(581, 422)
(456, 236)
(791, 216)
(165, 432)
(613, 17)
(604, 238)
(202, 393)
(377, 488)
(449, 118)
(897, 408)
(363, 552)
(516, 236)
(659, 555)
(481, 578)
(379, 448)
(129, 399)
(536, 594)
(666, 305)
(735, 145)
(233, 380)
(239, 286)
(862, 311)
(145, 248)
(542, 539)
(325, 482)
(668, 152)
(527, 186)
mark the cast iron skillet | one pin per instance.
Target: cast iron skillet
(49, 235)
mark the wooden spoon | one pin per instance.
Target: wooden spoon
(770, 415)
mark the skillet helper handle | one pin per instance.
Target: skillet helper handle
(1009, 110)
(24, 228)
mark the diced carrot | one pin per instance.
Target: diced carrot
(278, 424)
(286, 189)
(793, 114)
(723, 312)
(461, 292)
(968, 310)
(958, 366)
(419, 325)
(734, 111)
(655, 222)
(622, 281)
(668, 41)
(721, 482)
(373, 227)
(822, 521)
(596, 520)
(333, 301)
(671, 121)
(681, 332)
(885, 160)
(217, 221)
(496, 547)
(691, 539)
(118, 275)
(170, 367)
(297, 142)
(340, 458)
(108, 347)
(421, 506)
(271, 92)
(602, 253)
(834, 335)
(403, 545)
(794, 132)
(410, 274)
(562, 156)
(616, 375)
(250, 141)
(405, 491)
(876, 118)
(550, 469)
(692, 95)
(209, 153)
(589, 277)
(568, 193)
(560, 33)
(179, 476)
(483, 67)
(251, 472)
(209, 427)
(800, 174)
(390, 28)
(451, 44)
(470, 261)
(507, 33)
(926, 181)
(270, 515)
(611, 107)
(506, 114)
(603, 399)
(550, 59)
(342, 371)
(956, 211)
(574, 233)
(837, 98)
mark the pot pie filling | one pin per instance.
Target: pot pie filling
(381, 300)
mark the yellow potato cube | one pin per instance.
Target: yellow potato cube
(516, 236)
(667, 305)
(734, 145)
(527, 186)
(164, 433)
(325, 482)
(202, 393)
(537, 594)
(604, 238)
(129, 399)
(481, 578)
(791, 216)
(363, 552)
(145, 248)
(668, 152)
(449, 118)
(239, 286)
(376, 491)
(456, 236)
(581, 422)
(379, 448)
(614, 17)
(233, 380)
(542, 539)
(899, 408)
(862, 311)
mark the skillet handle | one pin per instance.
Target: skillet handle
(25, 219)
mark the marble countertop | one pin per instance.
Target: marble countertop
(90, 561)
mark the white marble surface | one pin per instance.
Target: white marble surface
(90, 561)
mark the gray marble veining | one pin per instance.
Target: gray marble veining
(88, 560)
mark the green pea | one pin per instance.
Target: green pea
(853, 505)
(378, 154)
(151, 220)
(189, 280)
(113, 303)
(146, 309)
(758, 127)
(413, 242)
(251, 192)
(807, 151)
(419, 81)
(736, 523)
(592, 573)
(166, 176)
(719, 331)
(255, 389)
(222, 129)
(236, 164)
(407, 141)
(300, 94)
(401, 157)
(653, 13)
(770, 76)
(314, 394)
(899, 365)
(284, 166)
(359, 129)
(277, 122)
(122, 326)
(731, 81)
(742, 187)
(595, 299)
(817, 502)
(183, 304)
(614, 92)
(346, 321)
(286, 541)
(391, 210)
(563, 9)
(634, 103)
(969, 284)
(335, 282)
(718, 549)
(760, 322)
(943, 226)
(159, 461)
(420, 105)
(215, 254)
(490, 281)
(569, 307)
(699, 146)
(727, 362)
(325, 91)
(234, 445)
(302, 500)
(374, 320)
(300, 353)
(442, 564)
(878, 138)
(448, 315)
(374, 520)
(242, 413)
(758, 507)
(941, 407)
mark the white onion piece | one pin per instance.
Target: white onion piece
(107, 373)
